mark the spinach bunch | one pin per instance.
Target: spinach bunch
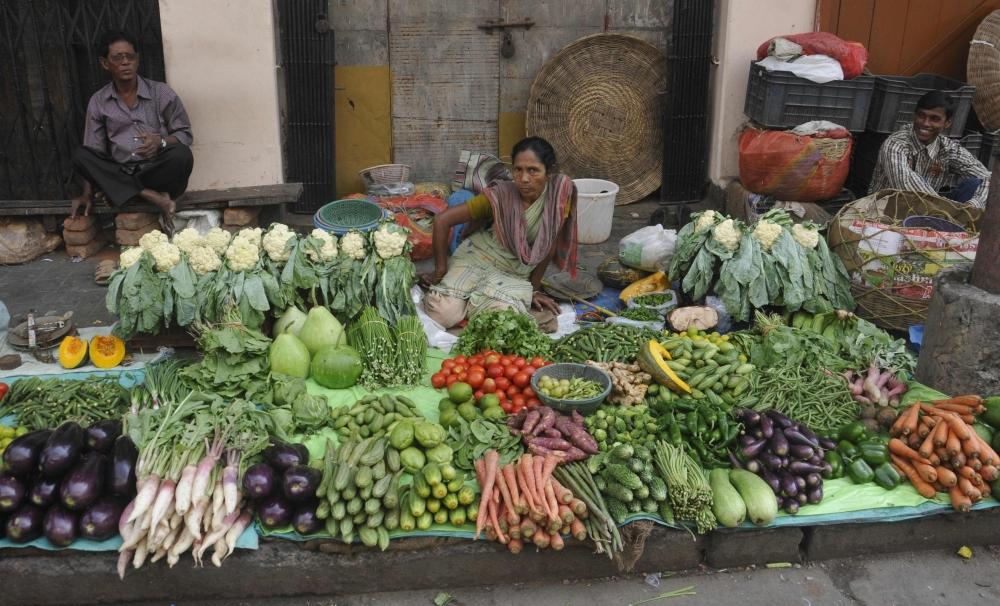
(506, 331)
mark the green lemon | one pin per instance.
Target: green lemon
(459, 392)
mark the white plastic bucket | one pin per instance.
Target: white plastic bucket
(595, 209)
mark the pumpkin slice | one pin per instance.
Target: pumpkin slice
(72, 352)
(653, 360)
(106, 351)
(653, 283)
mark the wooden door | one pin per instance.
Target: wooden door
(907, 37)
(445, 83)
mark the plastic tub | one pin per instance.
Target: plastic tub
(595, 211)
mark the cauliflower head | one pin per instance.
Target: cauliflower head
(276, 242)
(328, 250)
(129, 256)
(251, 234)
(204, 260)
(766, 233)
(353, 245)
(389, 243)
(149, 241)
(806, 236)
(705, 220)
(242, 254)
(217, 239)
(727, 234)
(187, 239)
(166, 256)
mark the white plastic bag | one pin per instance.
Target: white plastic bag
(201, 220)
(649, 248)
(633, 303)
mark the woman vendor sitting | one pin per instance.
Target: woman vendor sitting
(533, 222)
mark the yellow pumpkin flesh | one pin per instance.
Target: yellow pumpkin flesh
(106, 351)
(72, 352)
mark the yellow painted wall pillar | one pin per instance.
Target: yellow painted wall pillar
(364, 122)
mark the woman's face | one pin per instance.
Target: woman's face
(529, 175)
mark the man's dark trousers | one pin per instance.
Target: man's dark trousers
(167, 172)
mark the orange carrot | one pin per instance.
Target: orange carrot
(496, 524)
(927, 446)
(541, 539)
(515, 545)
(527, 528)
(490, 465)
(507, 471)
(986, 453)
(548, 466)
(926, 472)
(925, 489)
(957, 425)
(971, 448)
(934, 459)
(490, 534)
(986, 489)
(968, 489)
(958, 461)
(923, 428)
(527, 468)
(514, 530)
(966, 472)
(556, 541)
(968, 401)
(989, 473)
(941, 434)
(953, 445)
(907, 422)
(522, 483)
(578, 529)
(578, 507)
(959, 501)
(563, 494)
(550, 498)
(946, 477)
(897, 447)
(536, 469)
(566, 514)
(508, 501)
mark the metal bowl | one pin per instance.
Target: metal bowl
(568, 371)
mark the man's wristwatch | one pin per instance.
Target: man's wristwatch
(163, 143)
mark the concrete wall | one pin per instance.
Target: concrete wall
(742, 25)
(364, 105)
(220, 58)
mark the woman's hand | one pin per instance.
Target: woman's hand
(431, 278)
(542, 301)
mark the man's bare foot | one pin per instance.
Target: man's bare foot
(84, 202)
(162, 201)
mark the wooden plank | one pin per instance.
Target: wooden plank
(829, 15)
(855, 23)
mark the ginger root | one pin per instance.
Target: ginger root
(628, 382)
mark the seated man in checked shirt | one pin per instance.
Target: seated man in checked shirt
(136, 137)
(919, 158)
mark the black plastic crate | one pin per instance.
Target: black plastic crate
(972, 141)
(990, 150)
(895, 100)
(863, 161)
(833, 205)
(783, 100)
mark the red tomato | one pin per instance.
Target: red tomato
(506, 407)
(463, 377)
(518, 401)
(510, 371)
(438, 380)
(501, 394)
(460, 359)
(478, 394)
(521, 379)
(503, 383)
(494, 370)
(489, 385)
(528, 392)
(447, 364)
(492, 357)
(517, 409)
(506, 360)
(533, 402)
(537, 362)
(476, 359)
(476, 378)
(529, 370)
(458, 369)
(519, 362)
(451, 379)
(478, 367)
(513, 390)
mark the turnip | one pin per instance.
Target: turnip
(192, 521)
(144, 498)
(233, 534)
(217, 533)
(123, 559)
(230, 481)
(141, 551)
(182, 494)
(164, 499)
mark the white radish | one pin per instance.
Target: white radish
(141, 551)
(202, 477)
(146, 522)
(123, 560)
(192, 521)
(184, 487)
(233, 534)
(144, 498)
(159, 555)
(123, 522)
(176, 520)
(230, 491)
(218, 505)
(158, 536)
(183, 542)
(194, 551)
(217, 533)
(220, 550)
(164, 499)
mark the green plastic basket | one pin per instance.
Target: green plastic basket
(568, 371)
(348, 214)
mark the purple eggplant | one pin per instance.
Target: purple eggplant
(259, 481)
(771, 479)
(21, 456)
(300, 482)
(800, 452)
(827, 469)
(754, 449)
(791, 506)
(746, 440)
(44, 492)
(101, 435)
(753, 466)
(779, 419)
(749, 417)
(813, 480)
(121, 479)
(802, 498)
(789, 487)
(282, 455)
(25, 524)
(797, 437)
(808, 433)
(766, 426)
(801, 468)
(274, 511)
(771, 461)
(801, 483)
(11, 493)
(60, 526)
(736, 463)
(827, 444)
(62, 450)
(100, 521)
(83, 484)
(778, 444)
(815, 494)
(304, 519)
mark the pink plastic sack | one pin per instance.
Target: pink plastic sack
(852, 55)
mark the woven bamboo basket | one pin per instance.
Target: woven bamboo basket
(893, 265)
(385, 174)
(983, 69)
(598, 102)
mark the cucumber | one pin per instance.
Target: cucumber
(383, 538)
(391, 520)
(363, 478)
(354, 506)
(406, 520)
(338, 510)
(368, 536)
(761, 506)
(619, 492)
(375, 520)
(373, 505)
(727, 505)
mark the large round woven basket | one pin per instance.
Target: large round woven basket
(598, 102)
(892, 266)
(983, 70)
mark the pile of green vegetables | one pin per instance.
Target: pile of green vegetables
(293, 411)
(859, 342)
(628, 480)
(503, 330)
(43, 403)
(147, 301)
(690, 494)
(471, 440)
(392, 356)
(641, 314)
(706, 427)
(603, 343)
(372, 416)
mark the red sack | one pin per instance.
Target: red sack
(852, 55)
(416, 213)
(794, 168)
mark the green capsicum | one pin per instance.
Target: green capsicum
(886, 476)
(848, 450)
(853, 432)
(874, 453)
(860, 472)
(836, 465)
